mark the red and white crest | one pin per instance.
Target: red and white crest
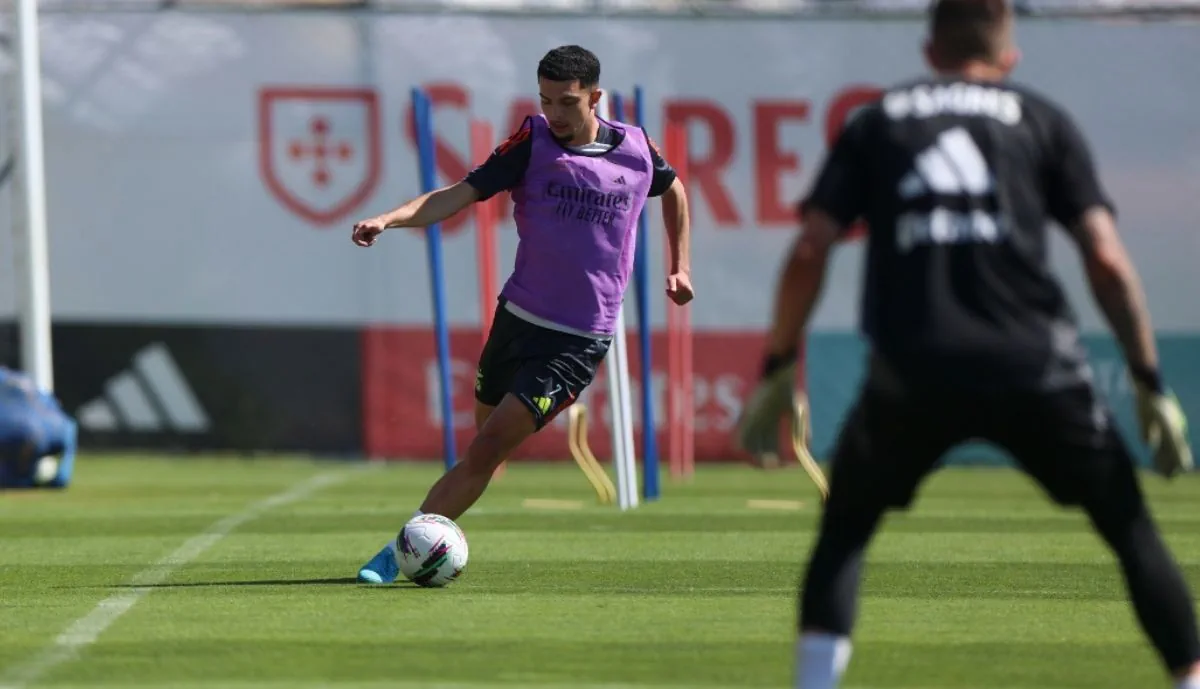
(319, 149)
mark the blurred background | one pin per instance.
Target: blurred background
(619, 7)
(206, 159)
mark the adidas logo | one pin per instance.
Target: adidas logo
(620, 180)
(952, 165)
(152, 396)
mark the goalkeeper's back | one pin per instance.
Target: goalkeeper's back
(959, 180)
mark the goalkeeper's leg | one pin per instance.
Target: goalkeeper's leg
(886, 448)
(1069, 442)
(1156, 587)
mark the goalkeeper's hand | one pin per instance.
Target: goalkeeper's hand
(773, 399)
(1163, 425)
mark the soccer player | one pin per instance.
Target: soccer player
(578, 185)
(970, 335)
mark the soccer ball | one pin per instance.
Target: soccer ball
(431, 550)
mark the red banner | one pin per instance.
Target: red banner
(402, 414)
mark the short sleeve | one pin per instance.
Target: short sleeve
(664, 175)
(1073, 185)
(505, 167)
(840, 188)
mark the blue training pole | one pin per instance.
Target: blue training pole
(641, 271)
(433, 247)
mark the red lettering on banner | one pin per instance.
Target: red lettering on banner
(840, 108)
(706, 173)
(771, 163)
(772, 159)
(448, 162)
(402, 413)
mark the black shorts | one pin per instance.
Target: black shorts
(546, 369)
(1065, 440)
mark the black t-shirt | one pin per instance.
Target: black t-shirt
(957, 182)
(505, 167)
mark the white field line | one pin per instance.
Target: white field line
(85, 630)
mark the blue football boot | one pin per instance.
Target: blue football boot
(382, 569)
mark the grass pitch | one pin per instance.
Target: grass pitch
(176, 573)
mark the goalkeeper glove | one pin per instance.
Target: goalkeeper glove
(1162, 423)
(771, 400)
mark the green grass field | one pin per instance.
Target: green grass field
(175, 573)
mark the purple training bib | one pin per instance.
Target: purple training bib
(576, 219)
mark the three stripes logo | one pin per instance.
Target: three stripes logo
(150, 397)
(957, 172)
(543, 404)
(952, 165)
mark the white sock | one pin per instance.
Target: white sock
(1189, 683)
(820, 660)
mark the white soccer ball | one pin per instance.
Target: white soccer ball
(431, 550)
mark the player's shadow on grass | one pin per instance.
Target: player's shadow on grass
(256, 582)
(339, 581)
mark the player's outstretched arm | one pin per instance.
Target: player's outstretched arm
(796, 295)
(799, 286)
(1117, 288)
(1118, 291)
(422, 211)
(678, 224)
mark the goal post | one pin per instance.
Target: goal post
(24, 160)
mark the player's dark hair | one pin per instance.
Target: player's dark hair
(570, 63)
(965, 30)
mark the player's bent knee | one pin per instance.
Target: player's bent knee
(484, 454)
(505, 428)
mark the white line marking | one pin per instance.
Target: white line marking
(84, 631)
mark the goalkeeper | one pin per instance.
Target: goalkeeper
(970, 335)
